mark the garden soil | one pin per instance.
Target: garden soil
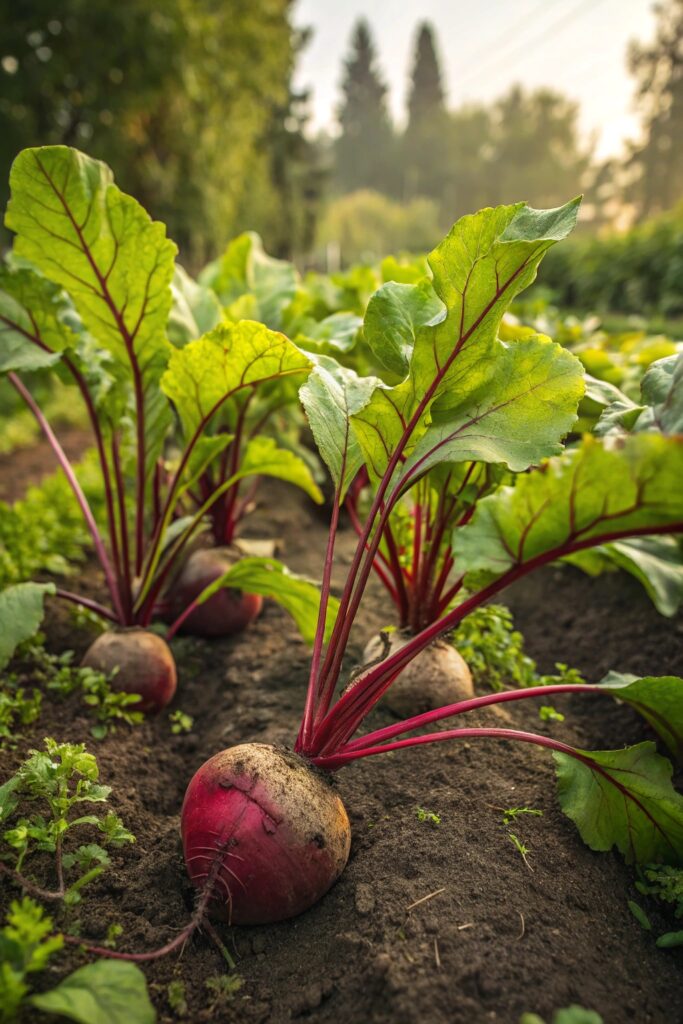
(442, 923)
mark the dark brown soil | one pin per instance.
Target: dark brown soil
(429, 923)
(20, 469)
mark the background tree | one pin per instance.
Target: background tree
(177, 98)
(467, 141)
(364, 152)
(535, 149)
(424, 148)
(657, 162)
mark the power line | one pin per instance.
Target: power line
(504, 37)
(525, 44)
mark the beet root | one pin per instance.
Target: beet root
(437, 676)
(227, 611)
(267, 832)
(144, 662)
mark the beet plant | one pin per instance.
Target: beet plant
(415, 558)
(264, 831)
(88, 290)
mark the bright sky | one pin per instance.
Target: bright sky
(576, 46)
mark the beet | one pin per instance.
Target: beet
(226, 612)
(144, 662)
(266, 830)
(437, 676)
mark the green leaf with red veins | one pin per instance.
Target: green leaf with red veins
(659, 699)
(517, 417)
(84, 234)
(455, 360)
(590, 493)
(331, 396)
(623, 798)
(33, 333)
(232, 359)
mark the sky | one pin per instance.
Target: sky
(576, 46)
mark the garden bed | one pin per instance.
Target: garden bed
(497, 936)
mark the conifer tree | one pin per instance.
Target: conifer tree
(425, 142)
(365, 148)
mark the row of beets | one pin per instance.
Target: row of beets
(465, 487)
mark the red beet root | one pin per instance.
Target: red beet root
(279, 830)
(144, 662)
(226, 612)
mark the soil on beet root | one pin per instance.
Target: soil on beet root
(429, 922)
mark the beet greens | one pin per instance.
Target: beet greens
(474, 429)
(89, 289)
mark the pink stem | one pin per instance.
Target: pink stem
(77, 490)
(462, 706)
(350, 710)
(334, 761)
(86, 602)
(312, 690)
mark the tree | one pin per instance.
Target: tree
(178, 98)
(657, 162)
(424, 142)
(535, 149)
(467, 139)
(364, 151)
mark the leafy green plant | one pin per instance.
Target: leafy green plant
(39, 808)
(106, 991)
(27, 943)
(44, 531)
(88, 291)
(469, 410)
(59, 676)
(665, 883)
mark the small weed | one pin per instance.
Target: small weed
(547, 713)
(430, 816)
(514, 812)
(223, 988)
(175, 993)
(57, 780)
(180, 722)
(57, 674)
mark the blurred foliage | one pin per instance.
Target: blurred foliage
(620, 358)
(44, 531)
(189, 102)
(656, 163)
(639, 271)
(526, 144)
(18, 425)
(365, 224)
